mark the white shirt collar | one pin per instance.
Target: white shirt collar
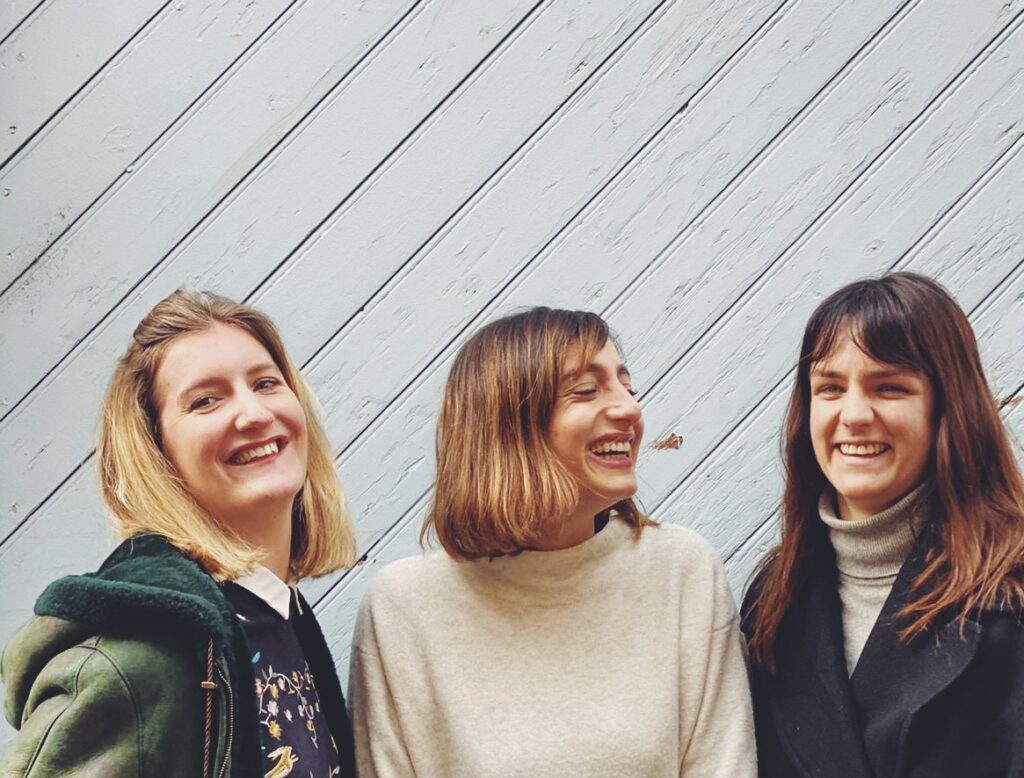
(269, 588)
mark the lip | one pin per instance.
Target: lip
(282, 444)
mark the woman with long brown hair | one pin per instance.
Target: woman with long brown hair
(885, 628)
(190, 652)
(558, 632)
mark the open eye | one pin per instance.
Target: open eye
(201, 402)
(267, 383)
(828, 390)
(892, 389)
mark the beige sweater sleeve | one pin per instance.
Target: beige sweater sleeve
(372, 706)
(721, 740)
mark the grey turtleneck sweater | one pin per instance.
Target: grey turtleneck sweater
(869, 554)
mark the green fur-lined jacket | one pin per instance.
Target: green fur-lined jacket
(142, 669)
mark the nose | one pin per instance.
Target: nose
(624, 407)
(856, 410)
(250, 412)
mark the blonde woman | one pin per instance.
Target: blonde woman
(559, 632)
(190, 652)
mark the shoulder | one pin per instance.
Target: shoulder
(410, 579)
(677, 547)
(60, 679)
(53, 653)
(145, 583)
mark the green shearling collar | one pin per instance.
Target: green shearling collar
(145, 580)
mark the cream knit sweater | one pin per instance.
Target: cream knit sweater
(611, 658)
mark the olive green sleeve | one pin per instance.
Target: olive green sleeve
(108, 707)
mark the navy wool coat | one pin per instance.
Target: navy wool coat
(945, 706)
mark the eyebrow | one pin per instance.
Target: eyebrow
(621, 371)
(886, 373)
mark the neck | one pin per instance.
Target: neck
(270, 531)
(567, 533)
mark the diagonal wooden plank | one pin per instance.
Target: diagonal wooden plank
(47, 60)
(118, 115)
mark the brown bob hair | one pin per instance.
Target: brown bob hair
(499, 484)
(144, 493)
(975, 538)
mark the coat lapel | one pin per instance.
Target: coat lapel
(893, 680)
(815, 710)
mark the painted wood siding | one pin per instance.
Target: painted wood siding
(384, 177)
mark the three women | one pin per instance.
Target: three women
(560, 631)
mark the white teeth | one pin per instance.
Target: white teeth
(862, 449)
(243, 457)
(613, 447)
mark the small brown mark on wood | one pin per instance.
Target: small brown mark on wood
(671, 441)
(12, 129)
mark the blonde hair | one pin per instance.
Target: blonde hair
(144, 493)
(498, 483)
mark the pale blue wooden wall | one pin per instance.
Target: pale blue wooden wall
(384, 177)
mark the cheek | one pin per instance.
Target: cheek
(818, 428)
(187, 449)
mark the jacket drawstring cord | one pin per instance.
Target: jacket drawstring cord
(209, 686)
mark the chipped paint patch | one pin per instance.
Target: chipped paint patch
(671, 441)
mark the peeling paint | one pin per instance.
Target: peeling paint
(670, 441)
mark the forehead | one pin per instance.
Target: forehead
(846, 356)
(218, 351)
(605, 357)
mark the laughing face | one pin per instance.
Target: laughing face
(231, 426)
(595, 431)
(871, 428)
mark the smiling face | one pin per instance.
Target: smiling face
(232, 428)
(595, 431)
(871, 427)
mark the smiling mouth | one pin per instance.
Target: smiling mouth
(613, 451)
(862, 449)
(255, 453)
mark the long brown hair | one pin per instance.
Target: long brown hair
(975, 558)
(498, 482)
(144, 493)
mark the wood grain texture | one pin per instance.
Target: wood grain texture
(42, 67)
(105, 130)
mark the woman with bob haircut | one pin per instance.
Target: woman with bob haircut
(189, 652)
(885, 628)
(558, 632)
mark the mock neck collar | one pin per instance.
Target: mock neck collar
(269, 588)
(875, 546)
(549, 575)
